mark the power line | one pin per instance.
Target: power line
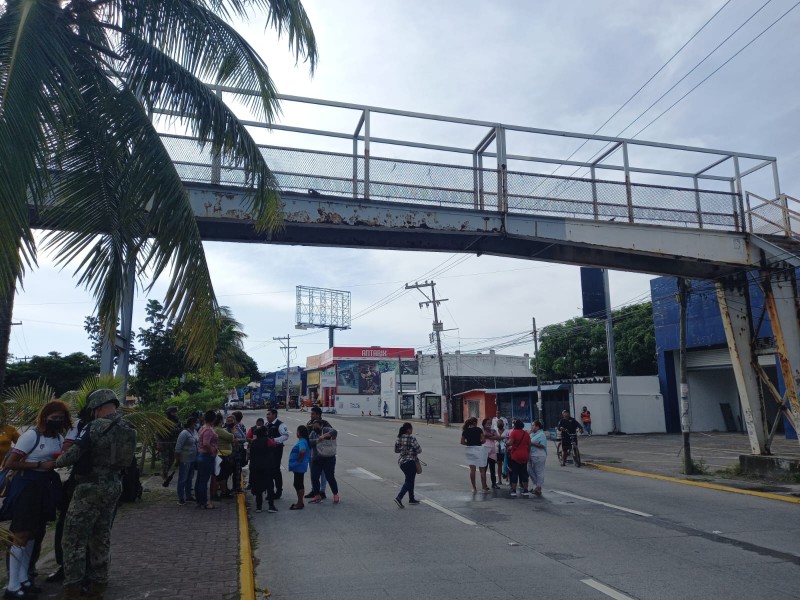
(717, 47)
(694, 68)
(710, 75)
(646, 83)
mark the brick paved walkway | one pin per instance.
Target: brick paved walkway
(162, 550)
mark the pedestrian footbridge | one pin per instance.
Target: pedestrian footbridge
(459, 185)
(383, 178)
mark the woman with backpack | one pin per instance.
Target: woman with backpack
(34, 492)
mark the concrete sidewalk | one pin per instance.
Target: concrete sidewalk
(162, 550)
(717, 455)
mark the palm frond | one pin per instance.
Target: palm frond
(36, 87)
(290, 16)
(6, 539)
(175, 89)
(99, 382)
(203, 43)
(23, 402)
(150, 425)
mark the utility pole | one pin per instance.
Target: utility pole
(437, 329)
(400, 385)
(288, 349)
(683, 297)
(539, 404)
(612, 357)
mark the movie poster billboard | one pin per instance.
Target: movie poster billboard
(347, 377)
(295, 381)
(433, 407)
(407, 406)
(409, 367)
(328, 378)
(362, 377)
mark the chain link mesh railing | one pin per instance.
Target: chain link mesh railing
(432, 184)
(779, 216)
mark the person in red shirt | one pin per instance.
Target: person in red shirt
(250, 432)
(519, 445)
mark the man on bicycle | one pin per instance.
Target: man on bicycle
(568, 427)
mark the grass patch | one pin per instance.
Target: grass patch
(697, 467)
(734, 470)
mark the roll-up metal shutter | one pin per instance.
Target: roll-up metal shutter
(720, 357)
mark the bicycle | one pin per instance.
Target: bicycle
(573, 450)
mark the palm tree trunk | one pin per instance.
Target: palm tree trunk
(6, 312)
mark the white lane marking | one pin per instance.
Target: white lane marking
(465, 466)
(353, 434)
(367, 474)
(615, 506)
(608, 591)
(448, 512)
(376, 441)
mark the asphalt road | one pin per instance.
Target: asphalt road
(593, 535)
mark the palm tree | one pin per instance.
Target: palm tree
(230, 352)
(78, 151)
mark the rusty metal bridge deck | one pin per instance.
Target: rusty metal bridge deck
(639, 205)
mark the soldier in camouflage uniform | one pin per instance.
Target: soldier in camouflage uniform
(98, 458)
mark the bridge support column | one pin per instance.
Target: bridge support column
(734, 305)
(780, 298)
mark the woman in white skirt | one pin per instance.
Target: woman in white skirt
(477, 454)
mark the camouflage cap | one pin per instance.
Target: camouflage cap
(99, 397)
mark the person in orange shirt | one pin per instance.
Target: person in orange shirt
(586, 418)
(8, 436)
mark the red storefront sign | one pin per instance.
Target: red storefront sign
(361, 353)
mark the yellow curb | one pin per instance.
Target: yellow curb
(246, 577)
(702, 484)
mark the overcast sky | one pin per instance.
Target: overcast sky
(549, 64)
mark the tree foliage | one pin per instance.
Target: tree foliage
(577, 348)
(79, 83)
(161, 362)
(61, 373)
(163, 375)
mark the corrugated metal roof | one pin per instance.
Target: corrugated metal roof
(550, 387)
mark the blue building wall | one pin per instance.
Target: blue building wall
(704, 331)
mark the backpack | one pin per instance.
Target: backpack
(112, 447)
(6, 475)
(131, 484)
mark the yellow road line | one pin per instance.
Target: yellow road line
(702, 484)
(246, 578)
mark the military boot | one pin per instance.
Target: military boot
(72, 591)
(97, 591)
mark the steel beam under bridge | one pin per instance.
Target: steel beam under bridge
(315, 220)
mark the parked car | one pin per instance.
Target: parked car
(234, 405)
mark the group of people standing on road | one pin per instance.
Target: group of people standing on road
(98, 448)
(516, 455)
(217, 452)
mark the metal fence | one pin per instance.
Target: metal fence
(780, 216)
(435, 184)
